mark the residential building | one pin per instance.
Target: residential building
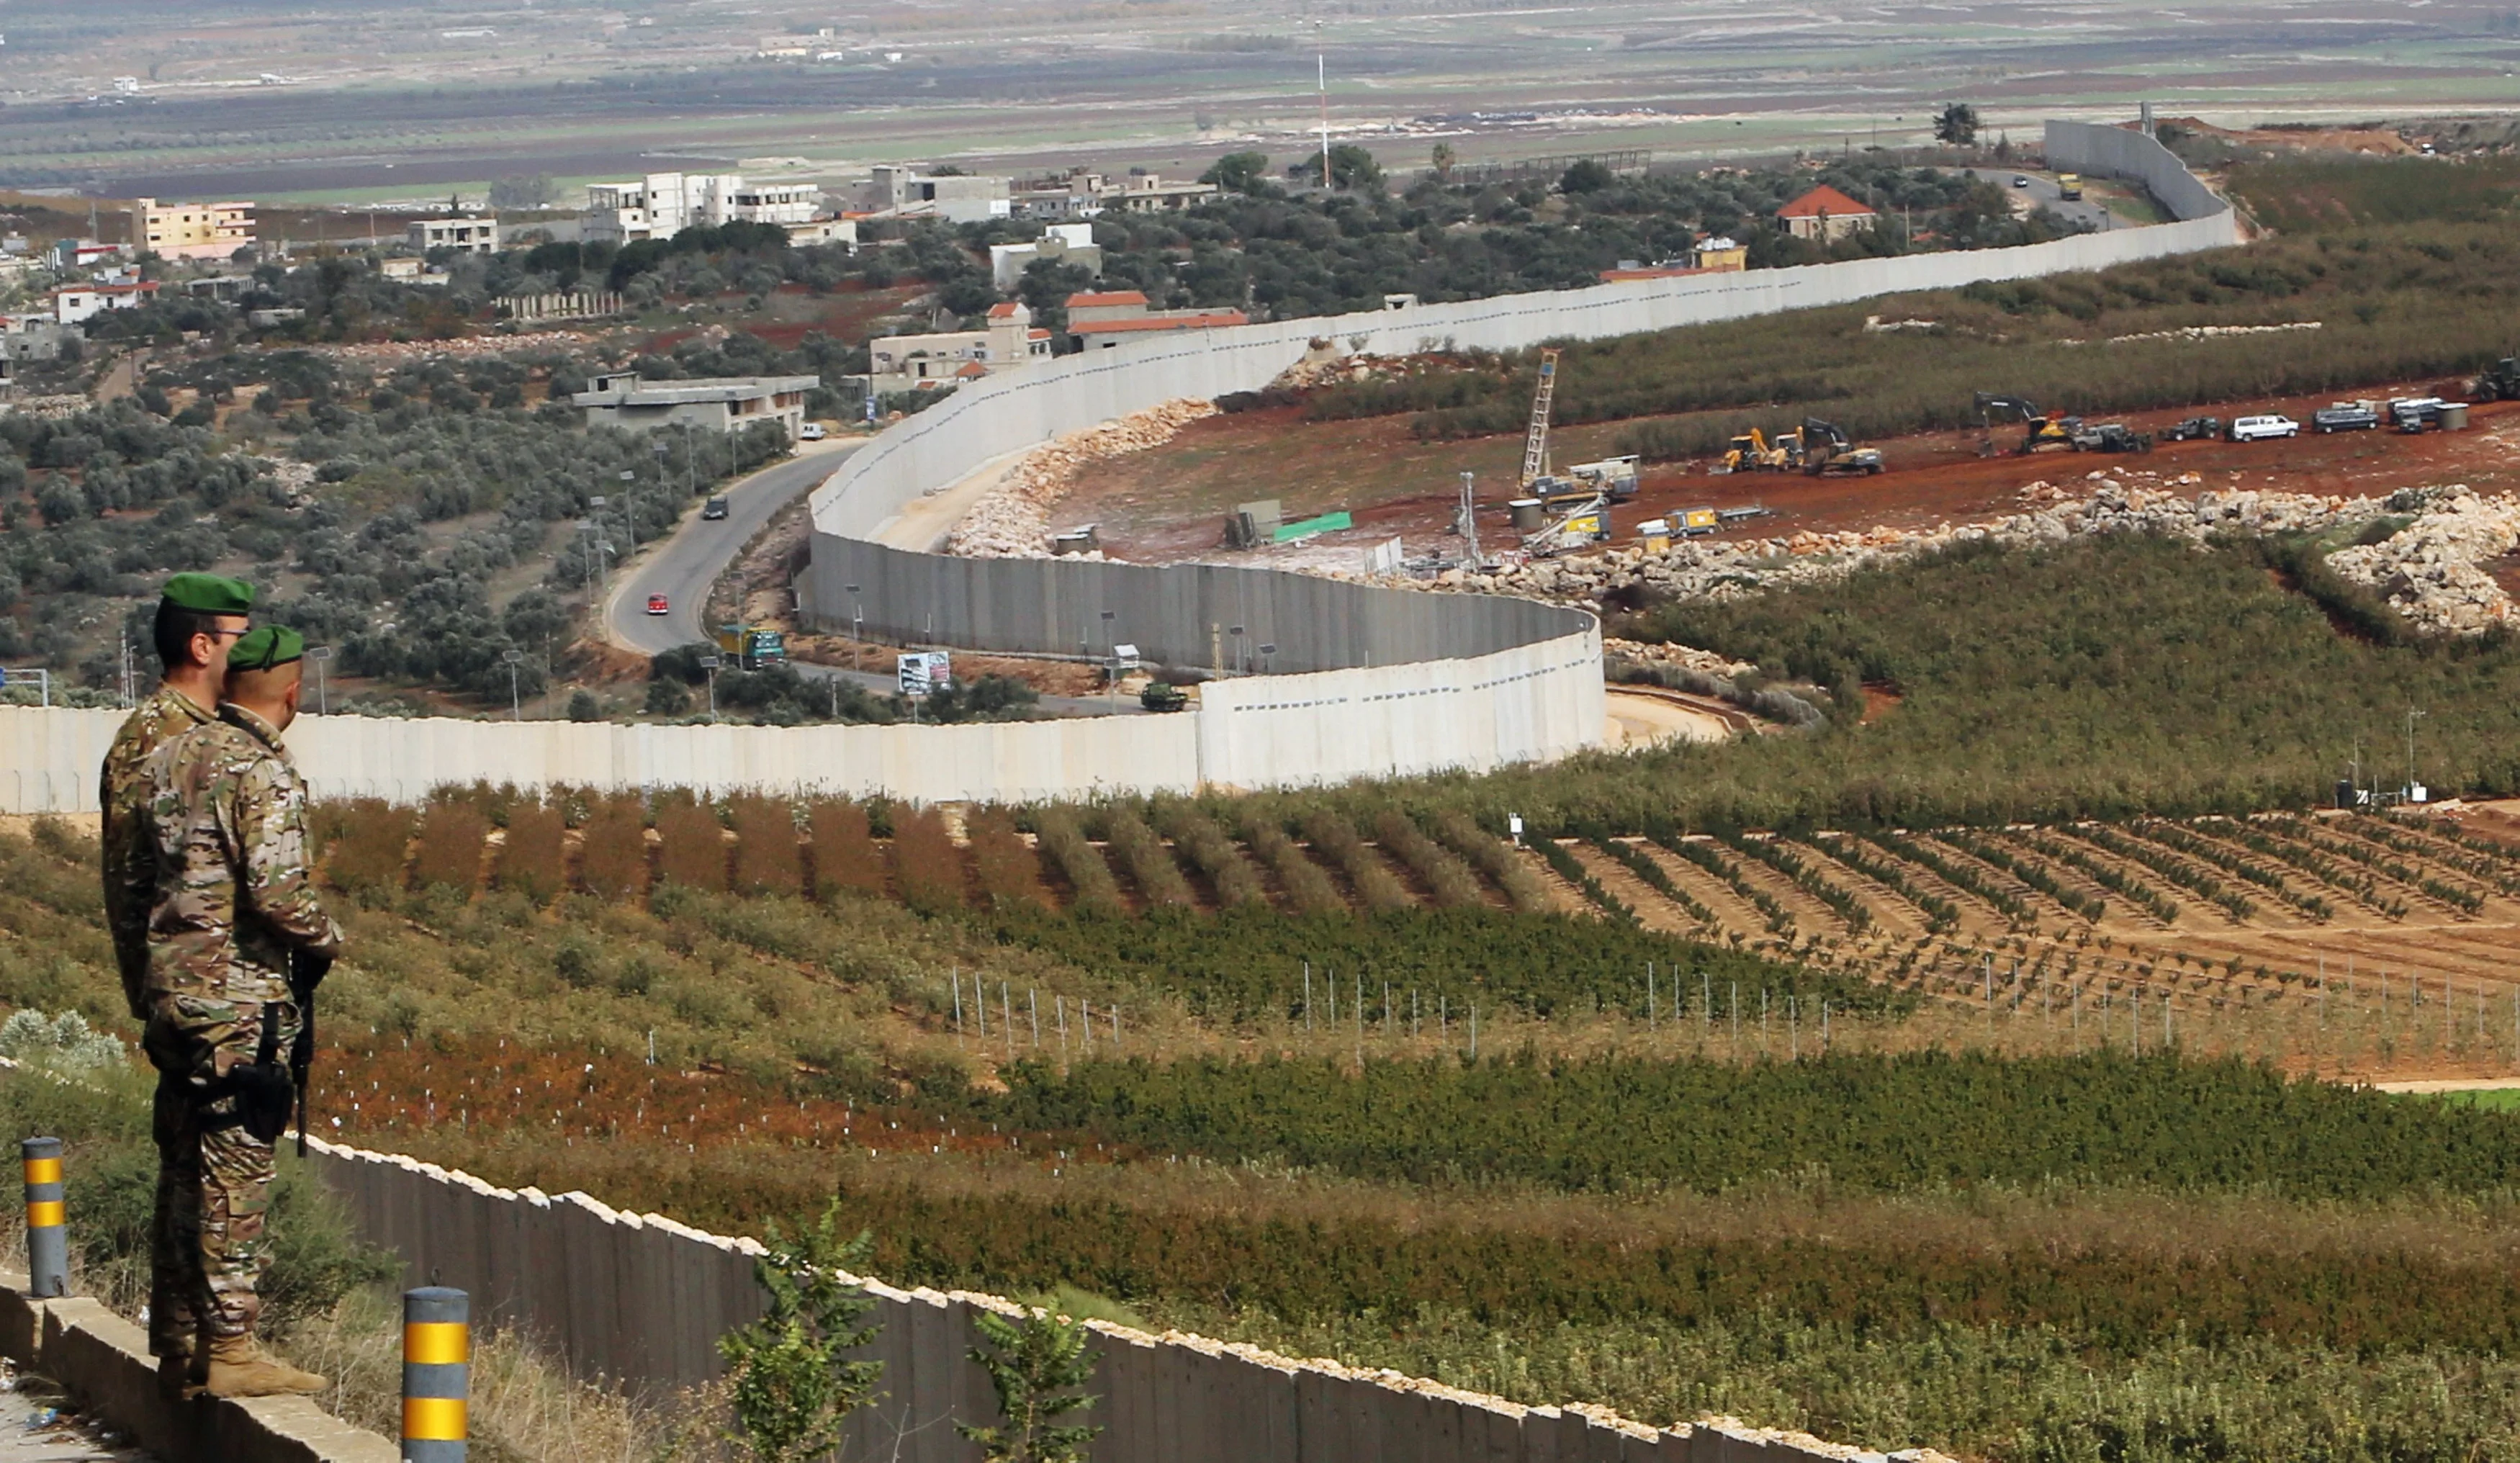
(943, 358)
(191, 231)
(826, 230)
(1824, 214)
(1068, 243)
(662, 205)
(1101, 319)
(1079, 194)
(722, 404)
(35, 338)
(85, 254)
(467, 234)
(87, 301)
(903, 191)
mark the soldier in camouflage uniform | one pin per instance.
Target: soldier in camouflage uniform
(198, 616)
(235, 910)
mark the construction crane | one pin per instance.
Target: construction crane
(1535, 445)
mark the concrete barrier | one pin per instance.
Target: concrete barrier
(640, 1301)
(103, 1361)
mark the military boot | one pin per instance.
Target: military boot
(177, 1377)
(240, 1368)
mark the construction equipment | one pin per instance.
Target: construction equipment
(1752, 452)
(2048, 431)
(1825, 448)
(2111, 436)
(1535, 443)
(2499, 382)
(1614, 476)
(1586, 522)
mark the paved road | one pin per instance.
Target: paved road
(2042, 190)
(684, 567)
(691, 561)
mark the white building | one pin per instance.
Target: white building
(902, 192)
(946, 358)
(1072, 243)
(87, 301)
(722, 404)
(1078, 193)
(662, 205)
(468, 235)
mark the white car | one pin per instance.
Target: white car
(2253, 429)
(811, 431)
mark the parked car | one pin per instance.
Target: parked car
(715, 507)
(2353, 417)
(811, 431)
(2194, 429)
(656, 605)
(2252, 428)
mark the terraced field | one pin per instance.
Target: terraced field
(2334, 914)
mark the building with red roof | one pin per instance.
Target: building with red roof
(1102, 319)
(1825, 213)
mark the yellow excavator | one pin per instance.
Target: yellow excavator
(1752, 452)
(2047, 430)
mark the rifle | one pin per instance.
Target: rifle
(305, 972)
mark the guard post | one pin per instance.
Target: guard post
(48, 1250)
(436, 1373)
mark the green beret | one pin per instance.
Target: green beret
(210, 595)
(262, 648)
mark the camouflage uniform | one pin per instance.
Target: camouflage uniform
(234, 897)
(130, 849)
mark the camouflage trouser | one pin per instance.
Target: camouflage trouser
(206, 1247)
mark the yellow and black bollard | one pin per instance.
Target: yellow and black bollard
(47, 1248)
(436, 1373)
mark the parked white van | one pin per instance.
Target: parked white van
(2251, 428)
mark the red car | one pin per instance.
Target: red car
(656, 605)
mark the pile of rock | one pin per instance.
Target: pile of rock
(2430, 570)
(1012, 522)
(1687, 657)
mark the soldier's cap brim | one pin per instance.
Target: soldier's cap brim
(266, 647)
(209, 594)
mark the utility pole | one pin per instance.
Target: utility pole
(2411, 714)
(1321, 85)
(319, 654)
(516, 704)
(710, 663)
(857, 630)
(1469, 517)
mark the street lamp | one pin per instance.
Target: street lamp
(630, 506)
(2411, 714)
(857, 632)
(1268, 652)
(319, 654)
(1239, 664)
(516, 704)
(710, 663)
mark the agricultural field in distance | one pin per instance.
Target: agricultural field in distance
(403, 104)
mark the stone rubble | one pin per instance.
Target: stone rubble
(2430, 571)
(1012, 521)
(1687, 657)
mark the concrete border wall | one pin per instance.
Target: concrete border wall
(1177, 615)
(640, 1301)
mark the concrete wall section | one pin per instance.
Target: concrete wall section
(2123, 153)
(1177, 614)
(640, 1301)
(49, 758)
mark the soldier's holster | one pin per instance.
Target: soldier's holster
(262, 1087)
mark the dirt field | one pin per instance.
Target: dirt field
(1170, 503)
